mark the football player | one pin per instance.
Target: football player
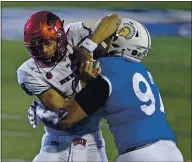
(133, 106)
(50, 75)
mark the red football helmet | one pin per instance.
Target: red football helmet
(39, 29)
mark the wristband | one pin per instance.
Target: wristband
(89, 45)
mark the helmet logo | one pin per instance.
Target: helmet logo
(127, 31)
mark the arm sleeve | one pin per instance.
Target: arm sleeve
(94, 95)
(29, 84)
(76, 32)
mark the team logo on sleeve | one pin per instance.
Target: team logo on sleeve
(127, 31)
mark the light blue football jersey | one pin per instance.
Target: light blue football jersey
(134, 110)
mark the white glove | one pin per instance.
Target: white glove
(33, 117)
(37, 113)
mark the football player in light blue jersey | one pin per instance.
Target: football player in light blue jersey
(134, 110)
(133, 106)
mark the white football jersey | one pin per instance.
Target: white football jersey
(34, 79)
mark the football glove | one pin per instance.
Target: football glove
(37, 114)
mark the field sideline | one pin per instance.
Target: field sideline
(169, 61)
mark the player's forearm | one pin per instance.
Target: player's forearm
(102, 30)
(51, 99)
(105, 28)
(62, 117)
(75, 114)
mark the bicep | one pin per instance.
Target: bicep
(75, 114)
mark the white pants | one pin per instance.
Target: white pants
(160, 151)
(86, 148)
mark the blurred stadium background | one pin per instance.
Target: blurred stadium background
(169, 61)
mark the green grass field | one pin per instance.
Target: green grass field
(170, 63)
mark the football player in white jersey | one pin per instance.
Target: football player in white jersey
(50, 76)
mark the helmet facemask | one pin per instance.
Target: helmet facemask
(134, 53)
(56, 49)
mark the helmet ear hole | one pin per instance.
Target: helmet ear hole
(134, 52)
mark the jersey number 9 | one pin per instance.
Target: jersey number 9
(147, 95)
